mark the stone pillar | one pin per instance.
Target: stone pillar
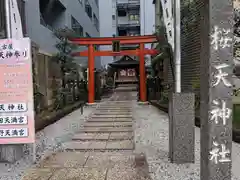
(216, 89)
(11, 153)
(181, 128)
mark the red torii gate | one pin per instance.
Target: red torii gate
(91, 53)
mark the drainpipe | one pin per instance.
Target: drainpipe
(8, 23)
(177, 45)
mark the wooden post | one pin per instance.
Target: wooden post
(91, 93)
(216, 89)
(142, 74)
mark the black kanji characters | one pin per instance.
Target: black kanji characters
(1, 120)
(17, 54)
(20, 119)
(20, 107)
(14, 120)
(1, 132)
(14, 132)
(21, 132)
(9, 54)
(1, 55)
(7, 133)
(11, 107)
(4, 46)
(7, 120)
(2, 107)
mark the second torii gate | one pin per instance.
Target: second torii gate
(91, 53)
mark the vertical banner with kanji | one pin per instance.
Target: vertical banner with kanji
(16, 92)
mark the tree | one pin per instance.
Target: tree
(64, 56)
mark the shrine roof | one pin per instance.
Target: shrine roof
(125, 61)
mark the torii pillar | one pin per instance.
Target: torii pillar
(142, 74)
(91, 88)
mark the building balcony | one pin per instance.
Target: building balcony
(128, 4)
(129, 25)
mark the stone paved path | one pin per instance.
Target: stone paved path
(103, 149)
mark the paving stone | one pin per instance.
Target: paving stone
(120, 145)
(60, 174)
(109, 159)
(121, 136)
(97, 145)
(65, 159)
(85, 174)
(76, 145)
(84, 136)
(36, 173)
(107, 129)
(107, 124)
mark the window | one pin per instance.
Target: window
(87, 35)
(113, 17)
(95, 21)
(50, 11)
(122, 13)
(133, 17)
(88, 9)
(76, 26)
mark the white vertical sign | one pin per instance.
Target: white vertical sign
(167, 7)
(13, 19)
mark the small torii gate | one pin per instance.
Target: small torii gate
(91, 53)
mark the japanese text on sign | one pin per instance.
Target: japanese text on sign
(220, 39)
(16, 90)
(13, 120)
(8, 51)
(220, 113)
(13, 132)
(15, 107)
(219, 153)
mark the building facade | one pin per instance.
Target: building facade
(42, 17)
(127, 18)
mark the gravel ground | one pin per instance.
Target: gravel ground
(48, 141)
(151, 138)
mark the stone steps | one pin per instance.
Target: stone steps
(112, 113)
(111, 116)
(106, 129)
(108, 124)
(103, 136)
(99, 145)
(110, 120)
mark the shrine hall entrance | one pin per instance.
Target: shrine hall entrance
(136, 67)
(126, 70)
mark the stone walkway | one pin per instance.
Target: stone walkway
(121, 140)
(103, 149)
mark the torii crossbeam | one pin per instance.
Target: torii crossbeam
(91, 53)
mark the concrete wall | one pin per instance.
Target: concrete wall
(147, 20)
(106, 10)
(44, 36)
(147, 17)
